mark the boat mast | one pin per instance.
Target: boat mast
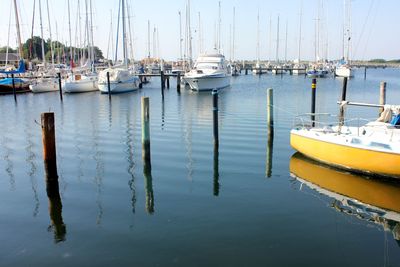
(51, 38)
(219, 26)
(180, 35)
(18, 30)
(258, 38)
(8, 36)
(233, 35)
(348, 10)
(200, 36)
(131, 33)
(300, 19)
(286, 41)
(148, 40)
(124, 35)
(91, 37)
(277, 42)
(70, 35)
(41, 32)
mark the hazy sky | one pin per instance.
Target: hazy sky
(374, 26)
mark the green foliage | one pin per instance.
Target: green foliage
(10, 50)
(377, 60)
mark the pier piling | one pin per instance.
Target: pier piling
(382, 95)
(167, 82)
(13, 86)
(341, 109)
(162, 79)
(108, 85)
(313, 95)
(145, 129)
(60, 86)
(49, 146)
(270, 106)
(178, 82)
(365, 73)
(215, 117)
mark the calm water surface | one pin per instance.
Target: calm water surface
(196, 206)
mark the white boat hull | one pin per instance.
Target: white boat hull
(344, 72)
(299, 72)
(207, 83)
(120, 87)
(87, 84)
(45, 85)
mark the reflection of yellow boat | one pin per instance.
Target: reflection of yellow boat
(372, 192)
(374, 200)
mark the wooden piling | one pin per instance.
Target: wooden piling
(341, 110)
(60, 86)
(382, 95)
(49, 146)
(246, 71)
(141, 82)
(167, 82)
(108, 85)
(162, 79)
(215, 117)
(365, 73)
(146, 129)
(313, 96)
(178, 82)
(270, 107)
(13, 86)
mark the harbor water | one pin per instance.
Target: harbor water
(197, 206)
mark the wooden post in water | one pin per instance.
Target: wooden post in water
(365, 72)
(146, 129)
(60, 86)
(216, 171)
(178, 82)
(215, 117)
(246, 71)
(313, 96)
(162, 79)
(382, 95)
(167, 82)
(141, 82)
(270, 107)
(13, 86)
(49, 146)
(108, 85)
(341, 109)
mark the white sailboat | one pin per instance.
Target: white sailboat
(119, 79)
(343, 69)
(85, 78)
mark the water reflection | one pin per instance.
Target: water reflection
(31, 157)
(55, 210)
(216, 170)
(268, 158)
(367, 199)
(148, 184)
(129, 154)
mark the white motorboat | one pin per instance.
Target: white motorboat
(121, 80)
(210, 71)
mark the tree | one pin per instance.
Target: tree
(10, 50)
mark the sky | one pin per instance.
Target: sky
(373, 26)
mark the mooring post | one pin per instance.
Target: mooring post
(341, 109)
(270, 107)
(215, 116)
(382, 95)
(141, 82)
(108, 85)
(365, 72)
(146, 129)
(167, 82)
(60, 86)
(162, 79)
(13, 86)
(246, 71)
(216, 171)
(313, 94)
(178, 82)
(49, 146)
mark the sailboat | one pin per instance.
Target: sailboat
(258, 68)
(119, 79)
(343, 69)
(83, 79)
(298, 67)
